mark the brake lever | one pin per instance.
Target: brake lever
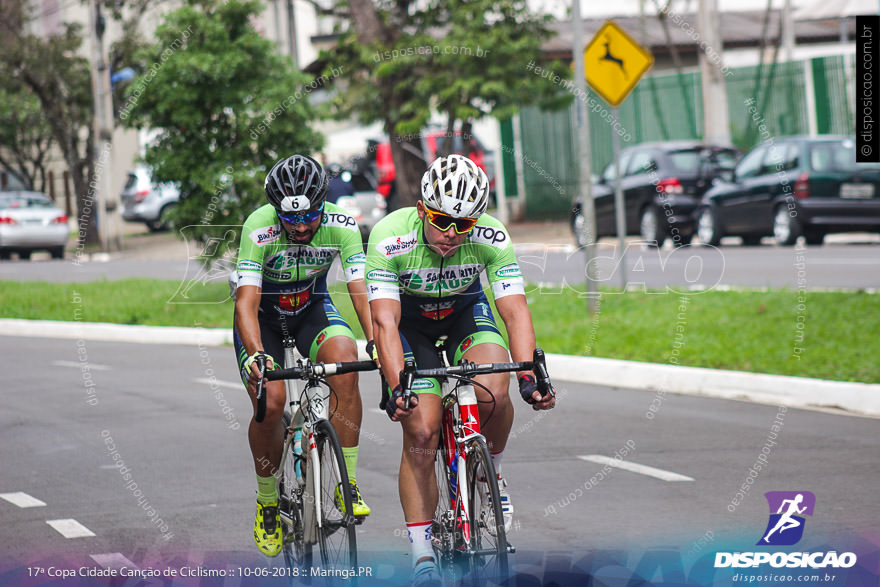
(260, 360)
(406, 380)
(541, 376)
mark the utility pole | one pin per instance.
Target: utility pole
(788, 31)
(106, 202)
(291, 31)
(716, 119)
(585, 166)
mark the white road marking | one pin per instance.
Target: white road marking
(78, 365)
(219, 383)
(70, 528)
(377, 411)
(113, 560)
(22, 499)
(636, 468)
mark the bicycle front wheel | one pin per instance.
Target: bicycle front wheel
(488, 540)
(336, 531)
(443, 528)
(297, 553)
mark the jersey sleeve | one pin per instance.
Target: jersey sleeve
(382, 277)
(502, 269)
(257, 232)
(351, 253)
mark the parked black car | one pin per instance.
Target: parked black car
(662, 185)
(793, 186)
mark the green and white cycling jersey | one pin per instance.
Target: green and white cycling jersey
(293, 276)
(401, 266)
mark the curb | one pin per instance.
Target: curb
(798, 392)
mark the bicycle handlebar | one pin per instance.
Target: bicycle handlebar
(467, 369)
(308, 370)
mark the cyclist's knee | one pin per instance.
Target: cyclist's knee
(423, 436)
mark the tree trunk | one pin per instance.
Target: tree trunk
(409, 166)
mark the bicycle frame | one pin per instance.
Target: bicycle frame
(305, 417)
(457, 428)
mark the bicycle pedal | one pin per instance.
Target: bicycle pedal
(511, 549)
(358, 520)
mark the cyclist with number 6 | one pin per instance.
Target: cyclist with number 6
(287, 248)
(423, 282)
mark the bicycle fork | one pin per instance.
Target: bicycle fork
(467, 426)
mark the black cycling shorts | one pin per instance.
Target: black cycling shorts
(310, 329)
(467, 327)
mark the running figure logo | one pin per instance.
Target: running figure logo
(786, 525)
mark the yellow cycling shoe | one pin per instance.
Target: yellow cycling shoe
(360, 507)
(267, 529)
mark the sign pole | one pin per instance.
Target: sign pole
(619, 210)
(582, 147)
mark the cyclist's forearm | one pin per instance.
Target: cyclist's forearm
(357, 291)
(386, 319)
(521, 332)
(247, 324)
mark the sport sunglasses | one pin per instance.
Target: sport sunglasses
(302, 218)
(442, 221)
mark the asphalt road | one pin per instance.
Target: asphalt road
(845, 263)
(62, 440)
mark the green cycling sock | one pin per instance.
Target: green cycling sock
(350, 454)
(266, 491)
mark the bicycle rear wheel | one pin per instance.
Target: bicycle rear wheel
(297, 554)
(488, 541)
(336, 533)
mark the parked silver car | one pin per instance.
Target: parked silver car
(144, 201)
(29, 221)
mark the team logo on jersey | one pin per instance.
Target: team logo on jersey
(357, 258)
(340, 220)
(265, 235)
(489, 235)
(509, 271)
(437, 311)
(382, 275)
(397, 245)
(467, 343)
(249, 266)
(321, 338)
(295, 301)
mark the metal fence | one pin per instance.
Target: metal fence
(816, 96)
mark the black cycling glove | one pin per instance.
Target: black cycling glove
(391, 404)
(528, 386)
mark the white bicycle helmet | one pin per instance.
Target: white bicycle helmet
(455, 186)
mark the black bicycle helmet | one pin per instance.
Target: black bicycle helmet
(296, 184)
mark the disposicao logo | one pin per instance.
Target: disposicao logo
(785, 528)
(786, 524)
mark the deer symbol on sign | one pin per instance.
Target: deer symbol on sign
(609, 57)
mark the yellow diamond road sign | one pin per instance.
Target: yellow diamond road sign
(614, 63)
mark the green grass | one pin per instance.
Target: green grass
(741, 330)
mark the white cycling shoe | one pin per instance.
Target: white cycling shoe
(488, 512)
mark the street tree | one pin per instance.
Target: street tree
(225, 106)
(463, 58)
(25, 137)
(47, 97)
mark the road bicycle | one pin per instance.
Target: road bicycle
(469, 539)
(312, 467)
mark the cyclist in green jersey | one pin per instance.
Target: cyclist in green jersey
(423, 281)
(287, 248)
